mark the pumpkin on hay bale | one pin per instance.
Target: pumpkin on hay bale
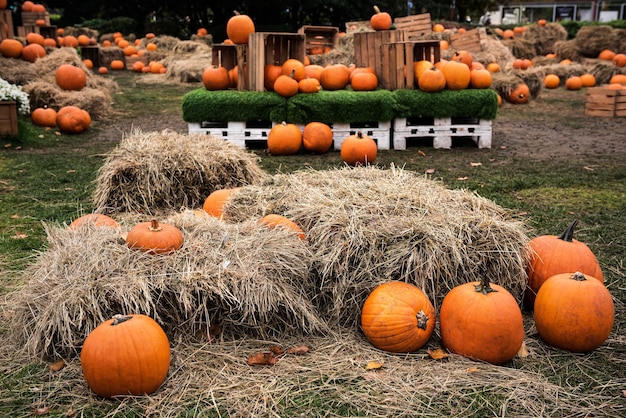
(567, 50)
(151, 172)
(603, 71)
(367, 225)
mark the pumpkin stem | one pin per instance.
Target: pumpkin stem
(422, 319)
(578, 276)
(376, 9)
(484, 286)
(568, 234)
(154, 226)
(359, 135)
(118, 319)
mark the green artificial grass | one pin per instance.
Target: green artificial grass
(342, 106)
(232, 105)
(477, 103)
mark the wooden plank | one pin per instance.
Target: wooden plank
(415, 25)
(8, 118)
(6, 21)
(29, 18)
(468, 41)
(271, 48)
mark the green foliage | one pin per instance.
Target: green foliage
(233, 105)
(117, 24)
(478, 103)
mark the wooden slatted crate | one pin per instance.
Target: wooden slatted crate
(91, 53)
(22, 31)
(48, 31)
(469, 41)
(29, 18)
(6, 22)
(602, 101)
(229, 56)
(8, 118)
(399, 73)
(415, 25)
(368, 49)
(271, 48)
(319, 39)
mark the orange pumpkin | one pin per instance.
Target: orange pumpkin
(73, 120)
(317, 137)
(32, 52)
(11, 48)
(27, 6)
(364, 81)
(295, 68)
(154, 238)
(520, 94)
(574, 312)
(216, 200)
(398, 317)
(151, 47)
(432, 80)
(551, 81)
(70, 77)
(286, 85)
(335, 77)
(70, 41)
(493, 67)
(94, 219)
(619, 60)
(34, 38)
(438, 28)
(419, 67)
(215, 78)
(457, 75)
(126, 355)
(309, 85)
(88, 63)
(542, 22)
(83, 40)
(118, 65)
(573, 83)
(551, 255)
(463, 57)
(270, 73)
(618, 79)
(482, 321)
(606, 55)
(44, 116)
(358, 149)
(103, 70)
(275, 221)
(284, 139)
(587, 80)
(313, 71)
(239, 27)
(480, 79)
(380, 20)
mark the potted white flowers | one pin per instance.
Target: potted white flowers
(13, 101)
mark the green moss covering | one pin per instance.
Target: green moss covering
(478, 103)
(342, 106)
(233, 105)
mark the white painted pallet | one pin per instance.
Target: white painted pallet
(379, 131)
(237, 132)
(442, 130)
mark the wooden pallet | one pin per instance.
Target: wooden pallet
(242, 134)
(469, 41)
(271, 48)
(380, 132)
(415, 25)
(602, 101)
(319, 39)
(6, 22)
(441, 130)
(229, 56)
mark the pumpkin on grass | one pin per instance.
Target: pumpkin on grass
(44, 116)
(73, 120)
(278, 221)
(398, 317)
(551, 255)
(284, 139)
(154, 238)
(574, 312)
(359, 149)
(482, 321)
(126, 355)
(551, 81)
(317, 137)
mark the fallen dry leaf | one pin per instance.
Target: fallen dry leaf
(41, 136)
(373, 365)
(16, 216)
(430, 171)
(19, 235)
(41, 411)
(462, 178)
(276, 350)
(475, 164)
(523, 351)
(589, 168)
(8, 145)
(55, 367)
(422, 153)
(262, 359)
(301, 349)
(472, 370)
(438, 354)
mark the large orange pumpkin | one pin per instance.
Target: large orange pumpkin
(286, 85)
(432, 80)
(239, 27)
(481, 320)
(215, 78)
(457, 75)
(317, 137)
(358, 149)
(380, 20)
(574, 312)
(520, 94)
(32, 52)
(480, 78)
(364, 81)
(398, 317)
(35, 38)
(276, 221)
(11, 48)
(73, 120)
(284, 139)
(70, 77)
(335, 77)
(294, 68)
(551, 255)
(126, 355)
(154, 238)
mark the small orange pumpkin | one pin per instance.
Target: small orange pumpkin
(295, 68)
(44, 116)
(573, 83)
(286, 85)
(480, 79)
(618, 79)
(216, 200)
(103, 70)
(154, 238)
(551, 81)
(542, 22)
(70, 41)
(619, 60)
(215, 78)
(364, 81)
(284, 139)
(335, 77)
(493, 67)
(70, 77)
(94, 219)
(574, 312)
(281, 222)
(309, 85)
(32, 52)
(520, 94)
(432, 80)
(270, 73)
(11, 48)
(380, 20)
(73, 120)
(606, 55)
(317, 137)
(587, 80)
(359, 149)
(118, 65)
(34, 38)
(239, 27)
(398, 317)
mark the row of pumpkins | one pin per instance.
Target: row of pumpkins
(573, 310)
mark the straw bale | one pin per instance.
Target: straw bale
(603, 71)
(533, 77)
(150, 172)
(368, 225)
(540, 61)
(16, 71)
(495, 51)
(247, 279)
(591, 40)
(191, 47)
(520, 47)
(544, 37)
(565, 71)
(567, 50)
(620, 40)
(188, 70)
(95, 101)
(110, 53)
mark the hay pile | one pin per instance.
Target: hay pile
(188, 61)
(543, 38)
(520, 47)
(152, 172)
(367, 226)
(591, 40)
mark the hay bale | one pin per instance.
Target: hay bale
(520, 47)
(95, 101)
(603, 71)
(567, 50)
(592, 39)
(110, 53)
(246, 279)
(543, 38)
(188, 70)
(150, 172)
(495, 51)
(18, 72)
(620, 40)
(504, 82)
(533, 77)
(367, 226)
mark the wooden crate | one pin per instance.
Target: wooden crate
(6, 21)
(48, 31)
(398, 71)
(130, 61)
(92, 53)
(368, 48)
(469, 41)
(8, 118)
(415, 25)
(229, 56)
(29, 18)
(319, 39)
(442, 131)
(602, 101)
(271, 48)
(22, 31)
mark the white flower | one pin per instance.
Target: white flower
(11, 92)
